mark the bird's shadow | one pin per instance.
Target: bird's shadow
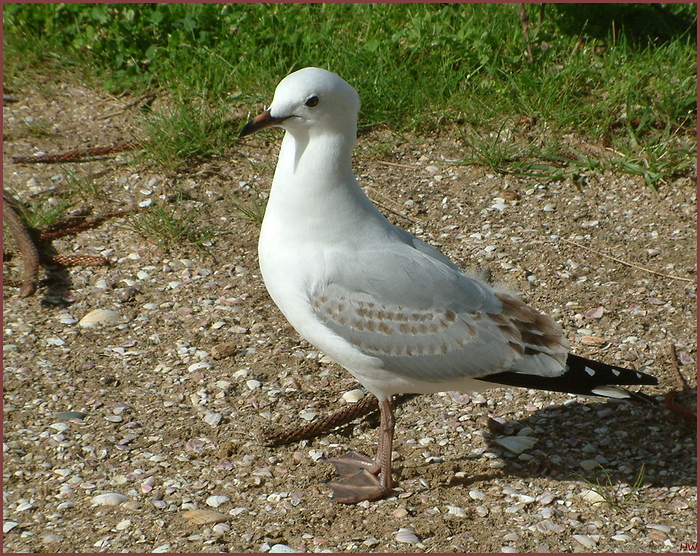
(629, 442)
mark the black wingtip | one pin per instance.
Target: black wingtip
(583, 376)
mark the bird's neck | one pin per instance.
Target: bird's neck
(315, 159)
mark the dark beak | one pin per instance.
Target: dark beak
(262, 121)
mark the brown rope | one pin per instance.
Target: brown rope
(26, 246)
(77, 155)
(366, 406)
(78, 260)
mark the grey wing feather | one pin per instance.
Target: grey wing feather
(427, 320)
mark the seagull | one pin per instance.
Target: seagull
(388, 307)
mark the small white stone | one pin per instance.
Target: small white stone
(278, 548)
(212, 418)
(65, 318)
(585, 540)
(124, 524)
(315, 454)
(143, 275)
(499, 204)
(621, 538)
(99, 316)
(549, 208)
(662, 528)
(406, 536)
(509, 549)
(456, 511)
(108, 499)
(253, 384)
(9, 526)
(354, 396)
(476, 494)
(199, 366)
(592, 496)
(162, 548)
(309, 415)
(24, 506)
(216, 500)
(60, 427)
(221, 528)
(517, 444)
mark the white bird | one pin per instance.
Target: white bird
(388, 307)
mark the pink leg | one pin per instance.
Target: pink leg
(360, 477)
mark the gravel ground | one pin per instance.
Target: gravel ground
(164, 453)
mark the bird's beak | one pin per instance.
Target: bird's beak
(262, 121)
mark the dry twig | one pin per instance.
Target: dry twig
(625, 262)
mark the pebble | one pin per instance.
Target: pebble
(592, 496)
(586, 540)
(482, 511)
(60, 427)
(399, 513)
(65, 318)
(456, 511)
(253, 384)
(354, 396)
(216, 500)
(212, 418)
(589, 464)
(509, 549)
(203, 517)
(282, 548)
(621, 538)
(24, 506)
(124, 524)
(309, 415)
(8, 526)
(593, 341)
(407, 536)
(68, 415)
(99, 316)
(51, 537)
(475, 494)
(108, 499)
(221, 528)
(162, 548)
(517, 444)
(663, 528)
(220, 351)
(199, 366)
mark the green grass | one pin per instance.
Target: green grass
(622, 75)
(171, 225)
(45, 209)
(616, 496)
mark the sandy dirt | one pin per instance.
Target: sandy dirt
(172, 437)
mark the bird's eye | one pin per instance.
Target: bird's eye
(312, 101)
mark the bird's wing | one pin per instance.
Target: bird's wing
(428, 321)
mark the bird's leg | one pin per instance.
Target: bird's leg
(360, 477)
(386, 442)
